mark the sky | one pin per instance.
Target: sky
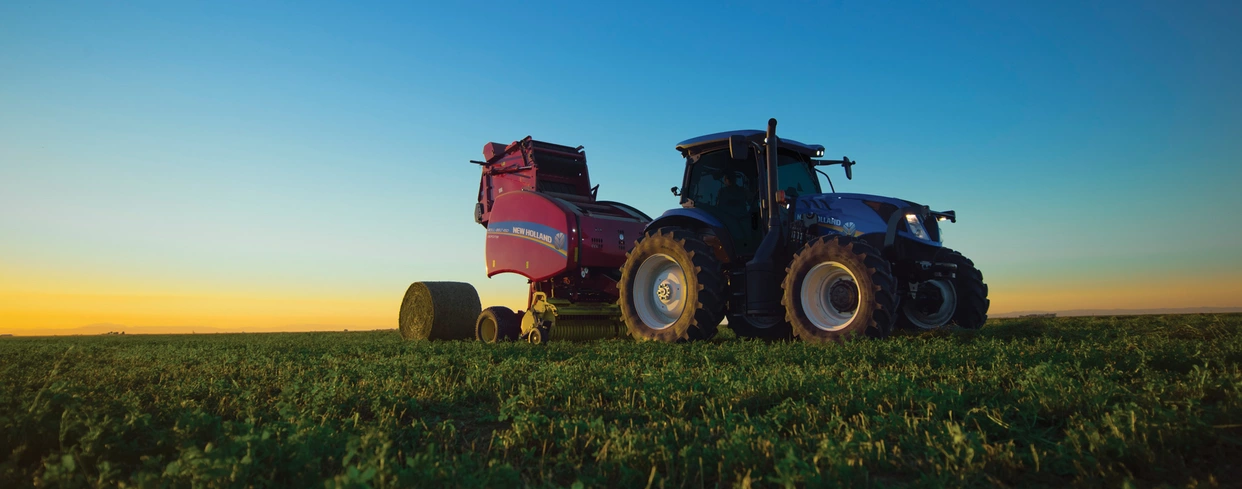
(262, 166)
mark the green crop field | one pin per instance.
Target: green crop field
(1092, 402)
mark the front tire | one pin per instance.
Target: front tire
(837, 288)
(972, 293)
(962, 300)
(671, 288)
(933, 308)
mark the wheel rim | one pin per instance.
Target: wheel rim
(487, 330)
(659, 291)
(943, 314)
(825, 296)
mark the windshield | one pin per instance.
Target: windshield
(719, 180)
(793, 172)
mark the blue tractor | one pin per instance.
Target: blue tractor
(757, 240)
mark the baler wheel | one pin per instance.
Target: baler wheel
(838, 287)
(538, 336)
(671, 288)
(497, 323)
(439, 311)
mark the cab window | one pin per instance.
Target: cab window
(795, 173)
(709, 174)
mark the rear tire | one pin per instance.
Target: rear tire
(837, 288)
(671, 288)
(497, 323)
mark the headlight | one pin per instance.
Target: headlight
(916, 227)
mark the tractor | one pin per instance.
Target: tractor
(758, 242)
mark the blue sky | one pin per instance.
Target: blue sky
(309, 151)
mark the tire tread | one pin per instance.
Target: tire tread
(709, 307)
(879, 271)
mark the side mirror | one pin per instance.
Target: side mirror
(844, 161)
(675, 192)
(739, 148)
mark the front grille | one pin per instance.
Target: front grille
(797, 234)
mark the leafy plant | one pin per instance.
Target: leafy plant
(1103, 401)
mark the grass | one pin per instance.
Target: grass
(1111, 401)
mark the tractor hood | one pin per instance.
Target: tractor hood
(826, 201)
(864, 214)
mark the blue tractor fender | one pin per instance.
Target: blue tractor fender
(696, 220)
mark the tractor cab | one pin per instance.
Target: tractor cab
(725, 178)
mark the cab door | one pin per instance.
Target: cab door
(736, 205)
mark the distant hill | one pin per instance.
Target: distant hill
(1120, 312)
(105, 328)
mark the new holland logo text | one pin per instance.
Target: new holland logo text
(532, 233)
(830, 220)
(824, 219)
(539, 233)
(848, 228)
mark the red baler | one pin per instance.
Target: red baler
(544, 222)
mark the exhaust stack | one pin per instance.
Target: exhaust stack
(771, 143)
(763, 275)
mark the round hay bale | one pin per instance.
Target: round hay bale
(439, 311)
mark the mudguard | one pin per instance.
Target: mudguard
(697, 220)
